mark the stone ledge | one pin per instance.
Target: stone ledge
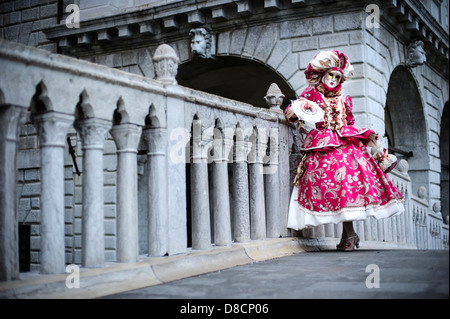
(151, 271)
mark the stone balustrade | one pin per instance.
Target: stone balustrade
(230, 149)
(217, 170)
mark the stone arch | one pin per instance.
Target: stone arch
(40, 102)
(120, 114)
(445, 165)
(406, 126)
(152, 120)
(218, 124)
(235, 77)
(84, 108)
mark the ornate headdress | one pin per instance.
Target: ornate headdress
(326, 60)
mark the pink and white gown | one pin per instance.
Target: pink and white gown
(341, 180)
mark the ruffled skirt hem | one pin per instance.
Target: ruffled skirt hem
(300, 217)
(326, 139)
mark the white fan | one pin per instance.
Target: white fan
(307, 111)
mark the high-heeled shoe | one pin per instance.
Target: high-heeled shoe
(348, 244)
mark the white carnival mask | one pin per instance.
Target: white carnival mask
(332, 78)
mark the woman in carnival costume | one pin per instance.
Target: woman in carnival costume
(338, 179)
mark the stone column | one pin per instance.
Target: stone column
(10, 120)
(127, 138)
(241, 210)
(176, 174)
(284, 172)
(221, 204)
(92, 132)
(201, 230)
(272, 186)
(257, 200)
(157, 191)
(52, 128)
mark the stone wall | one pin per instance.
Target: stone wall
(23, 21)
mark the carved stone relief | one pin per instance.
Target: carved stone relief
(415, 54)
(202, 43)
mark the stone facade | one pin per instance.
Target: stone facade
(406, 103)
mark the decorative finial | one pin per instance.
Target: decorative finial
(274, 98)
(166, 64)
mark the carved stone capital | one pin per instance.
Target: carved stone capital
(221, 149)
(156, 140)
(127, 137)
(52, 128)
(92, 132)
(201, 148)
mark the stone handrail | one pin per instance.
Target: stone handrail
(153, 116)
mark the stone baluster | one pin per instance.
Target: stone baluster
(221, 203)
(329, 231)
(127, 138)
(395, 229)
(319, 231)
(11, 117)
(201, 229)
(368, 229)
(92, 132)
(256, 183)
(157, 191)
(272, 187)
(414, 226)
(52, 128)
(338, 228)
(359, 228)
(424, 228)
(419, 229)
(403, 230)
(380, 230)
(241, 210)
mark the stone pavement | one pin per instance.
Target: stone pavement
(316, 275)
